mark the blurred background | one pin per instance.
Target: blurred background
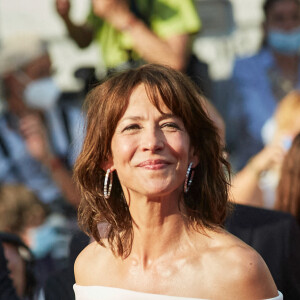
(216, 45)
(254, 93)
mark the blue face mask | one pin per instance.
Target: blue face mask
(285, 42)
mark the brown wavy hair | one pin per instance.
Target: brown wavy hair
(288, 192)
(205, 205)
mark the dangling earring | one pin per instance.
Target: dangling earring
(105, 192)
(188, 178)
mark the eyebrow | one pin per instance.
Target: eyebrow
(138, 118)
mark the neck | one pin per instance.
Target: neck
(158, 227)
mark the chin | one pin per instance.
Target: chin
(157, 191)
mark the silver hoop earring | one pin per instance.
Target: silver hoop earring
(110, 176)
(188, 178)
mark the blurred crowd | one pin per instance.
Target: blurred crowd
(257, 112)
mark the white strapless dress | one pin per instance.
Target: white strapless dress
(112, 293)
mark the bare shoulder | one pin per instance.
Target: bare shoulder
(242, 272)
(89, 263)
(248, 273)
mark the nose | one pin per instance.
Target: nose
(152, 140)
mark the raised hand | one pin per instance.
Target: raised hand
(35, 137)
(116, 12)
(269, 157)
(63, 7)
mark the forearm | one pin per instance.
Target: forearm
(246, 183)
(245, 187)
(153, 49)
(81, 34)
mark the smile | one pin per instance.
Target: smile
(156, 164)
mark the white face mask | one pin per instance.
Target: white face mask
(41, 94)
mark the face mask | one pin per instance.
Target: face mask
(49, 237)
(285, 42)
(41, 94)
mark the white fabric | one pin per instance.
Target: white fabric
(111, 293)
(268, 183)
(268, 131)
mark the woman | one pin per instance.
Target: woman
(288, 192)
(154, 186)
(265, 78)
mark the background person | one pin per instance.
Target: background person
(39, 135)
(132, 32)
(20, 211)
(39, 139)
(164, 197)
(45, 233)
(20, 264)
(256, 183)
(263, 79)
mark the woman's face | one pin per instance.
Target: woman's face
(150, 150)
(283, 15)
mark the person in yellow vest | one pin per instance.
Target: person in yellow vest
(132, 32)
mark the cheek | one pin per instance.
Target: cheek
(179, 145)
(123, 149)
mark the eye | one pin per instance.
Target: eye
(170, 126)
(131, 127)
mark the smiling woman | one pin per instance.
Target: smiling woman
(153, 175)
(149, 145)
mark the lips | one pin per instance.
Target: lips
(154, 164)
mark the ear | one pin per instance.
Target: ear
(108, 164)
(193, 158)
